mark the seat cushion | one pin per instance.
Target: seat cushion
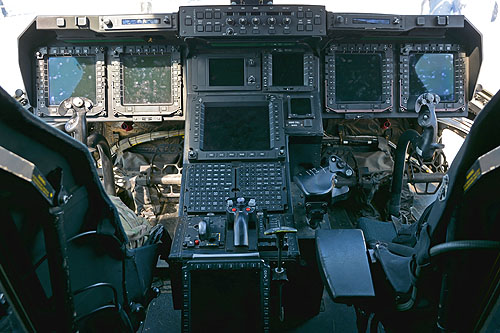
(374, 230)
(396, 269)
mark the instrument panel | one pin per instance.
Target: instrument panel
(348, 65)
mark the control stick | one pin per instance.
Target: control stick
(77, 124)
(425, 145)
(279, 273)
(239, 215)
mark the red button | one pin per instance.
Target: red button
(196, 242)
(234, 209)
(248, 209)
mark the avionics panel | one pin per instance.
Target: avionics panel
(213, 287)
(69, 71)
(138, 22)
(252, 21)
(290, 70)
(303, 114)
(435, 68)
(225, 72)
(236, 127)
(359, 78)
(145, 80)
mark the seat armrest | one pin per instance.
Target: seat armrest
(343, 264)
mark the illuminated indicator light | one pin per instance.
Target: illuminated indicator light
(234, 209)
(196, 242)
(247, 209)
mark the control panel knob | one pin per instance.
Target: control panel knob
(243, 21)
(230, 21)
(240, 201)
(107, 21)
(271, 20)
(229, 31)
(256, 20)
(287, 20)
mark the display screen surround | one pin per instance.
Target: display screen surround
(358, 77)
(71, 77)
(147, 79)
(230, 127)
(434, 73)
(300, 107)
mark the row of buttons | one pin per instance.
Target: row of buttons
(240, 154)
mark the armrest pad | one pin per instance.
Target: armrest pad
(343, 264)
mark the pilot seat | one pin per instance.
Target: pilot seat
(439, 272)
(66, 265)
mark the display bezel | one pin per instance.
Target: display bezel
(116, 75)
(42, 55)
(310, 65)
(387, 101)
(407, 101)
(292, 115)
(199, 69)
(227, 263)
(196, 126)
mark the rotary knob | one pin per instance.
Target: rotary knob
(256, 20)
(287, 20)
(230, 21)
(229, 31)
(107, 22)
(243, 21)
(271, 20)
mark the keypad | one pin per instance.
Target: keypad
(264, 182)
(209, 185)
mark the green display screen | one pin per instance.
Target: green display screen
(147, 79)
(71, 77)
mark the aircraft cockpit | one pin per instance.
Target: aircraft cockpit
(242, 167)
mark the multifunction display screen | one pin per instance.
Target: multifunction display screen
(288, 69)
(236, 128)
(226, 72)
(358, 78)
(434, 73)
(146, 79)
(300, 106)
(214, 295)
(71, 77)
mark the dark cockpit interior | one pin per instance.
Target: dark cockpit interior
(249, 167)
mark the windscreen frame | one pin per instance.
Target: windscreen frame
(43, 108)
(407, 100)
(144, 111)
(386, 104)
(196, 127)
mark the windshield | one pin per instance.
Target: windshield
(17, 14)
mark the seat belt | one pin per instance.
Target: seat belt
(483, 165)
